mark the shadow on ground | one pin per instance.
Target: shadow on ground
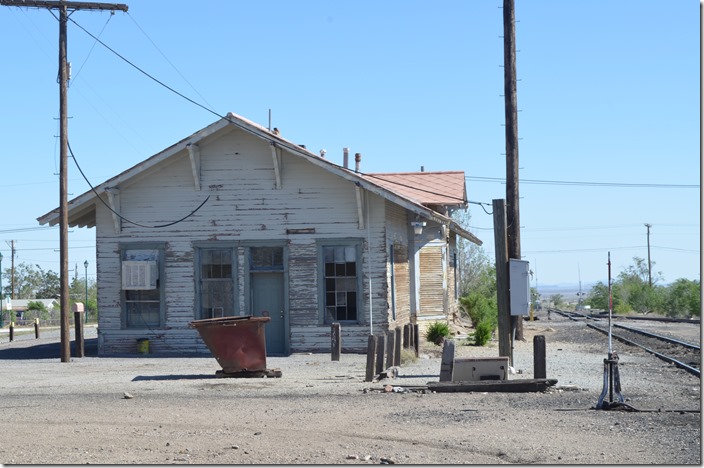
(176, 377)
(47, 350)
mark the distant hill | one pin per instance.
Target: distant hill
(569, 291)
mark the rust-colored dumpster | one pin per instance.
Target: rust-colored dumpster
(238, 343)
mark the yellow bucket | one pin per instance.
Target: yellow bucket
(143, 346)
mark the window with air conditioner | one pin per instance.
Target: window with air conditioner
(139, 275)
(142, 287)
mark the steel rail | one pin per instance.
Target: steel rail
(659, 337)
(680, 364)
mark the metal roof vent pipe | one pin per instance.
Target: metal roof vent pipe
(357, 160)
(345, 157)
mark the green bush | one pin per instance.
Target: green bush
(483, 332)
(437, 332)
(478, 307)
(483, 312)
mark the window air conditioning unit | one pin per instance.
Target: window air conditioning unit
(139, 275)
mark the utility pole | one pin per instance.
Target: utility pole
(503, 301)
(12, 268)
(650, 276)
(511, 104)
(63, 7)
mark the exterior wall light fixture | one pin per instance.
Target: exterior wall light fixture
(418, 227)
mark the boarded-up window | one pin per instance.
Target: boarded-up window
(432, 294)
(402, 282)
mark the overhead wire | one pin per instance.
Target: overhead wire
(118, 214)
(71, 80)
(586, 184)
(167, 59)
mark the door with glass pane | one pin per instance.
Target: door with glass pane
(267, 294)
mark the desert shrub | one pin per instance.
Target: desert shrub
(482, 333)
(408, 356)
(478, 307)
(437, 332)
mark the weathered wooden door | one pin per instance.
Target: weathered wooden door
(268, 300)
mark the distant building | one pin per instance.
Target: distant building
(19, 306)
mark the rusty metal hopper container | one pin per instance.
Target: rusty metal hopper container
(238, 342)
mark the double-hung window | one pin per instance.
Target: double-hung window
(217, 283)
(341, 277)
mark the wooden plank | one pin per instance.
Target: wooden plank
(539, 370)
(447, 361)
(335, 343)
(371, 358)
(506, 386)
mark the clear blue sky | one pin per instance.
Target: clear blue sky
(609, 92)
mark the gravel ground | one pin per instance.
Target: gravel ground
(322, 412)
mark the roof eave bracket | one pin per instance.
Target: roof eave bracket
(360, 212)
(194, 156)
(114, 202)
(277, 163)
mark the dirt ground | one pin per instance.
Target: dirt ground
(150, 410)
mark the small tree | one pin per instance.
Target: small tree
(557, 300)
(683, 299)
(36, 309)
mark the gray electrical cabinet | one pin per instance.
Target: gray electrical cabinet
(519, 284)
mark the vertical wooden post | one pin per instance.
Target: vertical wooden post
(12, 331)
(415, 338)
(78, 323)
(36, 328)
(371, 356)
(390, 348)
(381, 349)
(397, 347)
(335, 343)
(448, 360)
(502, 291)
(407, 335)
(513, 223)
(63, 187)
(539, 369)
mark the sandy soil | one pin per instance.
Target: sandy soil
(149, 410)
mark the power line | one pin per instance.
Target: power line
(38, 228)
(97, 195)
(585, 184)
(167, 59)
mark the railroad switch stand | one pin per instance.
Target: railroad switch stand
(612, 384)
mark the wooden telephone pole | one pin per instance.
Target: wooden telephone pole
(513, 222)
(64, 7)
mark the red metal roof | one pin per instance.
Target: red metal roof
(427, 188)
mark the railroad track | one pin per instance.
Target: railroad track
(682, 354)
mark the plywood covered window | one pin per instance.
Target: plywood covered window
(340, 267)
